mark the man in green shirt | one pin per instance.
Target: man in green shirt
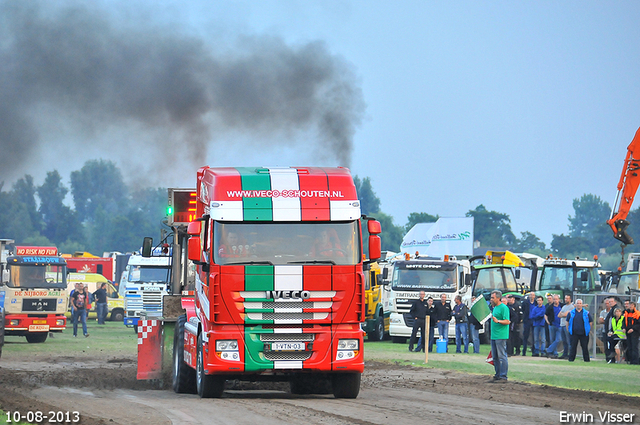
(499, 336)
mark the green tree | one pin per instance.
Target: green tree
(391, 235)
(98, 185)
(369, 202)
(528, 241)
(61, 223)
(415, 218)
(25, 193)
(589, 221)
(569, 247)
(124, 232)
(491, 228)
(15, 218)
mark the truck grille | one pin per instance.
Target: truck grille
(287, 305)
(39, 304)
(286, 337)
(403, 305)
(408, 320)
(282, 355)
(287, 316)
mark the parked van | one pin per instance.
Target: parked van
(115, 303)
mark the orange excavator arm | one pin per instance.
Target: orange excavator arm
(627, 188)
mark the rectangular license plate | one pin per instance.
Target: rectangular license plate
(39, 322)
(38, 328)
(287, 346)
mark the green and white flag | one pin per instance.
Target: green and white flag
(480, 310)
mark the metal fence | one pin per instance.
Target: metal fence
(594, 304)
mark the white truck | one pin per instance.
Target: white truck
(146, 281)
(435, 276)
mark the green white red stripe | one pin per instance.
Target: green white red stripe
(282, 194)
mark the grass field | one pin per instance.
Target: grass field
(112, 338)
(116, 340)
(596, 375)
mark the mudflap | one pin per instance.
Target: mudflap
(150, 349)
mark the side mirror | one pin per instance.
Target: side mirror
(517, 273)
(467, 280)
(194, 228)
(147, 245)
(584, 276)
(375, 247)
(385, 273)
(5, 276)
(194, 249)
(374, 227)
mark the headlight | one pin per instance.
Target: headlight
(347, 349)
(228, 349)
(348, 344)
(224, 345)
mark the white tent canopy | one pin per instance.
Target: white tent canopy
(447, 236)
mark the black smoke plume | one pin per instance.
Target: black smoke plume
(71, 67)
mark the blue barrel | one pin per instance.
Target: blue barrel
(441, 346)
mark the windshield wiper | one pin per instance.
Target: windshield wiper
(313, 262)
(251, 263)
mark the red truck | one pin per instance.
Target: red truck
(279, 286)
(83, 262)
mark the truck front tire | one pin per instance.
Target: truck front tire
(209, 386)
(378, 330)
(346, 385)
(184, 377)
(37, 338)
(117, 315)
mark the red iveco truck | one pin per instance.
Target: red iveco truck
(279, 285)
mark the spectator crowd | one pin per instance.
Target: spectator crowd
(538, 326)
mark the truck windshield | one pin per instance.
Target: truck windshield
(149, 274)
(38, 276)
(423, 279)
(493, 278)
(626, 284)
(287, 243)
(562, 278)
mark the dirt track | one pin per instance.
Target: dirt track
(106, 391)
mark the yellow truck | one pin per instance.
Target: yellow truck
(376, 296)
(115, 303)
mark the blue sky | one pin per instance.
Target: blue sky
(520, 106)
